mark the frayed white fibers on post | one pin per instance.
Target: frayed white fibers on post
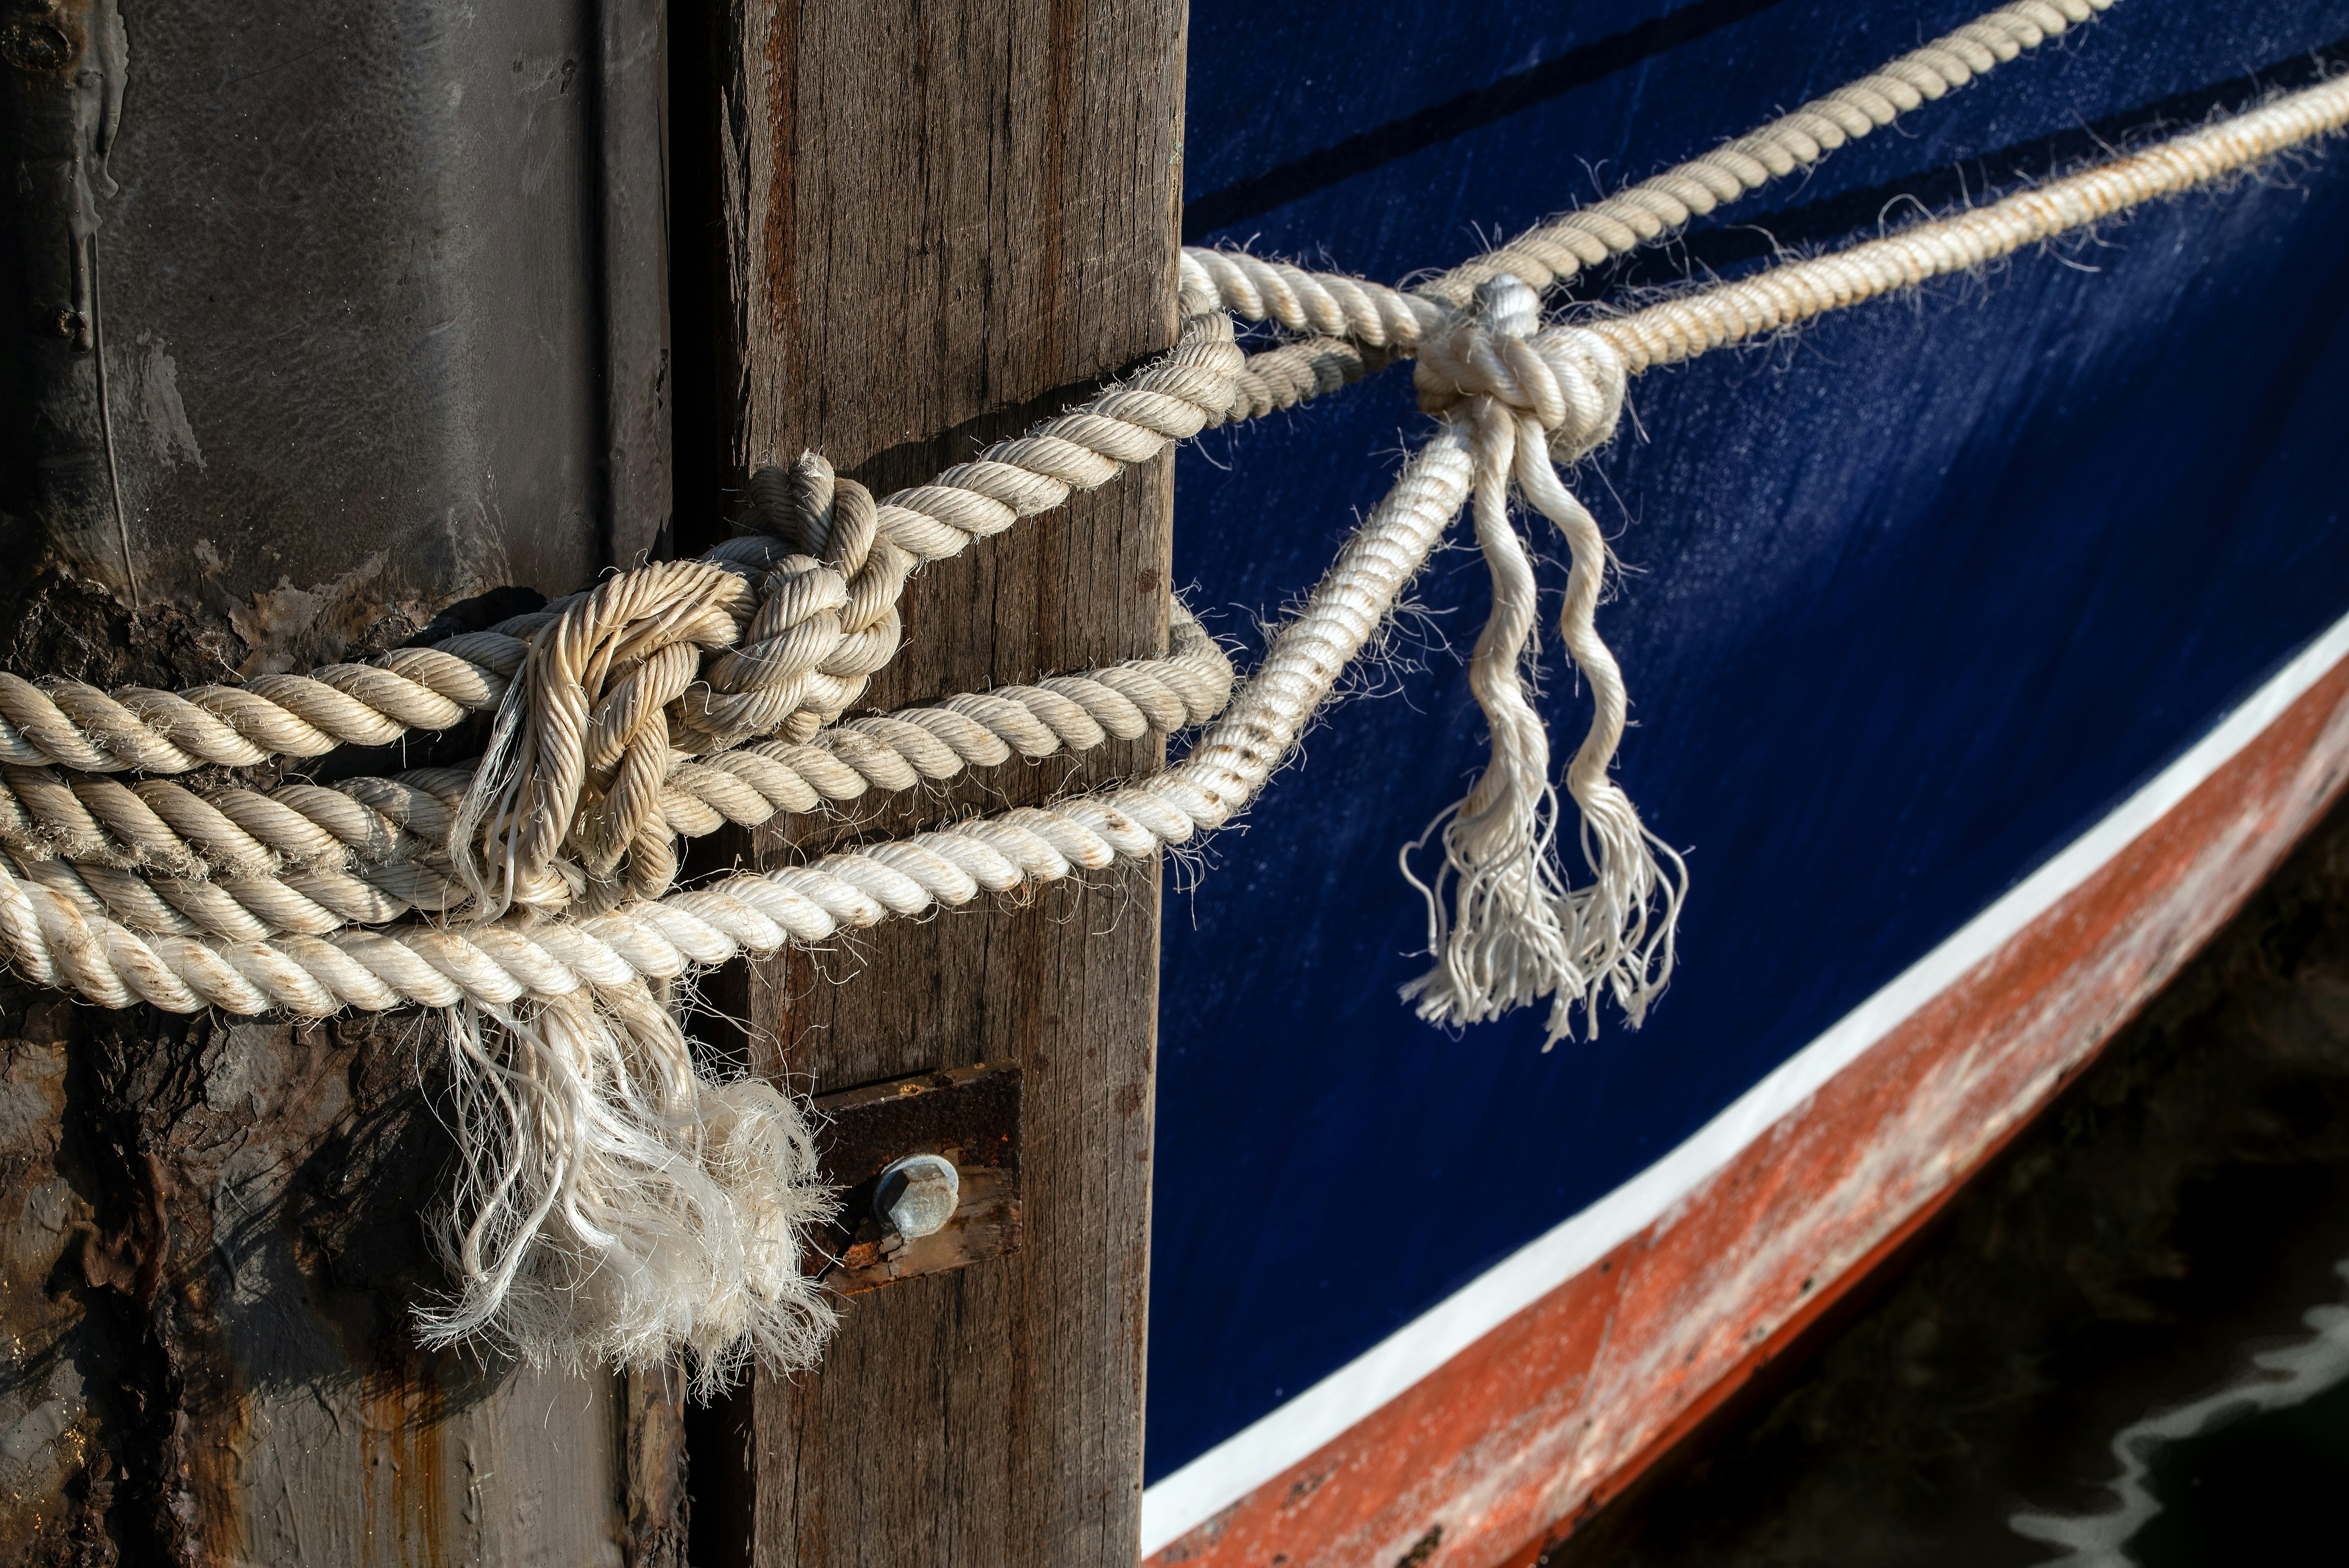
(615, 1206)
(1505, 926)
(616, 1201)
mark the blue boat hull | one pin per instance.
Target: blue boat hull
(1913, 602)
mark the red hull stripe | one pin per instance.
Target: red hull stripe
(1543, 1388)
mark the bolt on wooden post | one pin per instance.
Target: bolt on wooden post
(942, 222)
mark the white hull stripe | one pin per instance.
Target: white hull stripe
(1292, 1433)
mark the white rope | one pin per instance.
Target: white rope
(55, 941)
(622, 1205)
(631, 639)
(1789, 295)
(245, 864)
(1359, 325)
(48, 940)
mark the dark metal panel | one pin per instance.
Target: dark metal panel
(307, 332)
(633, 144)
(319, 316)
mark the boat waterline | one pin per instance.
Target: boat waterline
(1291, 1435)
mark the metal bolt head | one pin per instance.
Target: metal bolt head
(917, 1195)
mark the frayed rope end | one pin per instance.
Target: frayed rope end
(616, 1207)
(1506, 929)
(1504, 926)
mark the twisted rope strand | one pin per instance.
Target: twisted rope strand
(1555, 251)
(244, 866)
(70, 724)
(897, 751)
(1359, 326)
(1793, 292)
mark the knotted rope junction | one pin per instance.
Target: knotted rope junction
(616, 1204)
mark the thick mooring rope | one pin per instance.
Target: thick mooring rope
(618, 1205)
(1359, 326)
(247, 865)
(51, 940)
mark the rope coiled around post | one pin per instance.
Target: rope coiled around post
(247, 865)
(1232, 758)
(618, 1204)
(614, 1205)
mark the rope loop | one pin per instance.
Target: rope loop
(1567, 380)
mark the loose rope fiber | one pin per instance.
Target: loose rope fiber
(616, 1203)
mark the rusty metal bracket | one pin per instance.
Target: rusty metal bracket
(968, 1115)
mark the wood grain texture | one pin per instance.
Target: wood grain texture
(944, 221)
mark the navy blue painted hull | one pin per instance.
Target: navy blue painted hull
(1915, 599)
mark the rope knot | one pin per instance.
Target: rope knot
(1569, 380)
(829, 619)
(1506, 924)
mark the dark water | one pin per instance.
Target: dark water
(2254, 1467)
(2267, 1487)
(2127, 1342)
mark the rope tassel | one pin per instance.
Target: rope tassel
(615, 1206)
(1505, 926)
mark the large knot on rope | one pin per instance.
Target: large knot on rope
(581, 745)
(1506, 925)
(828, 616)
(1567, 380)
(613, 694)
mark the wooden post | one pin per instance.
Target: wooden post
(943, 221)
(307, 340)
